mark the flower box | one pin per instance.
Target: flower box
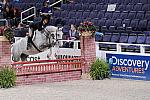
(87, 29)
(86, 33)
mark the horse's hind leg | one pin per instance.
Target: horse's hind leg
(24, 57)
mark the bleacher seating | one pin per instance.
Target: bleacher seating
(127, 24)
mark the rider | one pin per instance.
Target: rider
(39, 25)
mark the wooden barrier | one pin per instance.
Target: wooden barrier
(48, 70)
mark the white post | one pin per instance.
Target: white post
(142, 49)
(118, 47)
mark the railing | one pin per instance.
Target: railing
(56, 3)
(119, 46)
(34, 14)
(75, 45)
(47, 66)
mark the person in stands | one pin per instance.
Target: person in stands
(40, 25)
(74, 34)
(46, 10)
(7, 12)
(16, 17)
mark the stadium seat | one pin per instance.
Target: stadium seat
(108, 15)
(93, 14)
(108, 23)
(114, 38)
(140, 40)
(120, 1)
(148, 26)
(118, 22)
(71, 14)
(99, 7)
(70, 7)
(78, 21)
(101, 22)
(85, 7)
(129, 7)
(124, 15)
(127, 1)
(77, 7)
(85, 14)
(147, 16)
(100, 14)
(123, 38)
(140, 15)
(64, 6)
(143, 1)
(78, 14)
(56, 14)
(133, 25)
(132, 15)
(116, 15)
(138, 7)
(146, 7)
(142, 25)
(121, 7)
(92, 6)
(131, 40)
(71, 21)
(135, 1)
(106, 38)
(64, 14)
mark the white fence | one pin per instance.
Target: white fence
(75, 51)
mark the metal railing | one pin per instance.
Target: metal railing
(56, 3)
(34, 14)
(119, 46)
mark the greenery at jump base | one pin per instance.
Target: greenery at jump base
(7, 77)
(100, 70)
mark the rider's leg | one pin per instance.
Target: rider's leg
(30, 37)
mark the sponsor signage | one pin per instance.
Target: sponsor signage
(129, 66)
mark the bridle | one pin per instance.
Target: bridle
(49, 36)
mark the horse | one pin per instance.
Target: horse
(47, 39)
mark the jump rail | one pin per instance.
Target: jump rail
(47, 66)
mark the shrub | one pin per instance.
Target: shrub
(99, 70)
(7, 77)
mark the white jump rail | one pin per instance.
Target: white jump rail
(34, 13)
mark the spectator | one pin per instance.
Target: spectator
(16, 17)
(7, 12)
(46, 10)
(70, 34)
(6, 3)
(74, 34)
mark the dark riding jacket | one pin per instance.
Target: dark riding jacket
(37, 26)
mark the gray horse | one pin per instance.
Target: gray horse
(41, 41)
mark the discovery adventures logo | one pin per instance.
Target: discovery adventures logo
(129, 62)
(129, 66)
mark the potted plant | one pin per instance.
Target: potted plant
(100, 70)
(87, 29)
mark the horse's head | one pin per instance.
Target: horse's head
(55, 33)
